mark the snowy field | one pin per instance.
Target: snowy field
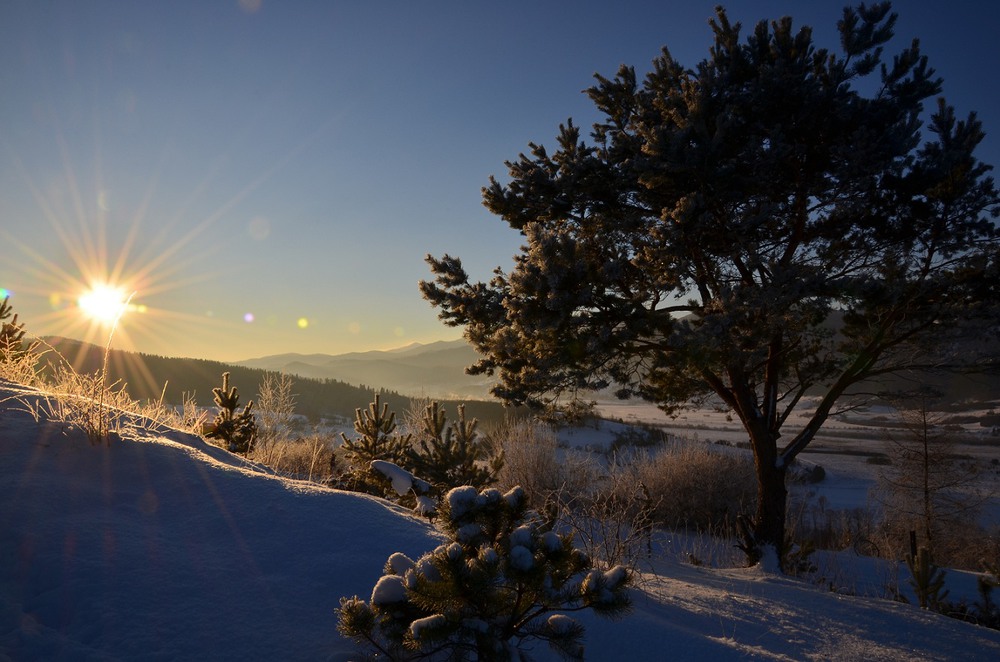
(162, 547)
(842, 447)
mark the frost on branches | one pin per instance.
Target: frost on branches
(503, 580)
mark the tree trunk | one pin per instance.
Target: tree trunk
(766, 534)
(769, 523)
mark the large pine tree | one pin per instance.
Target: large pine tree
(770, 223)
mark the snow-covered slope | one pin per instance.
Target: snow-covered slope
(161, 547)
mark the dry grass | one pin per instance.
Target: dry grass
(304, 458)
(101, 410)
(696, 487)
(533, 460)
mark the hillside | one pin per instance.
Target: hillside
(144, 376)
(434, 370)
(160, 546)
(437, 370)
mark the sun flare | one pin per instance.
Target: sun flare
(104, 303)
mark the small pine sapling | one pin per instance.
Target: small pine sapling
(449, 455)
(926, 579)
(502, 581)
(375, 440)
(985, 609)
(11, 334)
(237, 429)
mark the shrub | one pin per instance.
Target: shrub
(503, 580)
(451, 454)
(533, 461)
(306, 457)
(697, 487)
(237, 429)
(376, 440)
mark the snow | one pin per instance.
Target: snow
(164, 547)
(402, 480)
(389, 590)
(418, 626)
(615, 576)
(521, 558)
(560, 623)
(468, 532)
(550, 541)
(425, 506)
(460, 500)
(399, 563)
(454, 551)
(522, 535)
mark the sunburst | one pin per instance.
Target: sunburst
(104, 303)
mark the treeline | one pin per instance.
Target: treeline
(144, 377)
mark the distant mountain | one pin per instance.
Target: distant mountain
(434, 370)
(148, 377)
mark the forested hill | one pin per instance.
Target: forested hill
(144, 377)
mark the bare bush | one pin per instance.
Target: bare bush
(697, 488)
(275, 411)
(813, 522)
(613, 522)
(532, 459)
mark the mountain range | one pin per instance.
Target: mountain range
(433, 370)
(148, 377)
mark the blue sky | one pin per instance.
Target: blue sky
(267, 176)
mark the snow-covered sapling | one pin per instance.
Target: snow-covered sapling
(502, 580)
(376, 440)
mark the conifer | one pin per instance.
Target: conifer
(237, 429)
(503, 580)
(11, 333)
(927, 579)
(451, 455)
(376, 440)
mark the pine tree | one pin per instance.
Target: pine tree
(376, 440)
(11, 334)
(450, 455)
(927, 579)
(503, 580)
(237, 429)
(773, 221)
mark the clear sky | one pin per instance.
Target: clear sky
(267, 176)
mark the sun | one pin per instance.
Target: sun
(104, 303)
